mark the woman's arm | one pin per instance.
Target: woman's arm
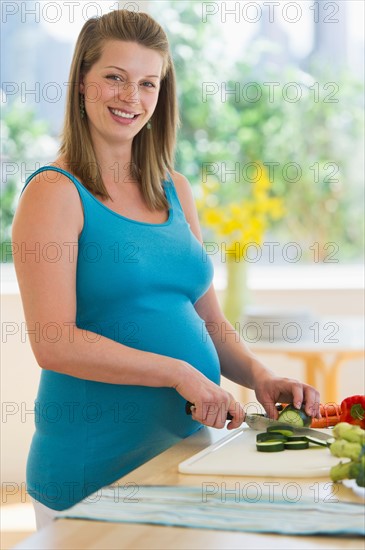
(52, 213)
(238, 363)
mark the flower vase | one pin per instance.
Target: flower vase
(236, 290)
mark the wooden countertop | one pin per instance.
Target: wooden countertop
(68, 534)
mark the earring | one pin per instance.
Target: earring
(82, 106)
(149, 125)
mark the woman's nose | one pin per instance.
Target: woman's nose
(129, 92)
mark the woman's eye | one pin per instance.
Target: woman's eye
(114, 77)
(149, 84)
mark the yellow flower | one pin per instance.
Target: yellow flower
(212, 217)
(262, 183)
(242, 221)
(229, 227)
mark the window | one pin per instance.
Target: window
(259, 85)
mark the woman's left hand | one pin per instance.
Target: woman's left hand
(272, 389)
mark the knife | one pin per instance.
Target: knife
(261, 422)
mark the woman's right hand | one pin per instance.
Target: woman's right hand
(211, 402)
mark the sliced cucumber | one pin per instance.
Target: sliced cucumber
(316, 441)
(296, 445)
(270, 437)
(297, 438)
(295, 417)
(283, 429)
(270, 446)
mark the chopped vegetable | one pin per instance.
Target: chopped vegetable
(270, 437)
(360, 478)
(284, 429)
(345, 449)
(349, 432)
(349, 443)
(316, 441)
(278, 438)
(353, 410)
(294, 416)
(330, 416)
(296, 445)
(297, 438)
(355, 469)
(343, 470)
(270, 446)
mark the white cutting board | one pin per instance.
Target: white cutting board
(236, 454)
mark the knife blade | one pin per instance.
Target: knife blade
(261, 422)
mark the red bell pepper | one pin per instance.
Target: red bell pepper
(353, 410)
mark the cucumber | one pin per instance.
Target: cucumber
(281, 436)
(270, 446)
(316, 441)
(296, 445)
(297, 438)
(270, 437)
(296, 417)
(283, 429)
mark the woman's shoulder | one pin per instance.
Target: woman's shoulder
(182, 186)
(179, 179)
(51, 192)
(56, 170)
(185, 195)
(55, 177)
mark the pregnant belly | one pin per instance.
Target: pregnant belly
(110, 429)
(179, 333)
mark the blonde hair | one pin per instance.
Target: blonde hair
(152, 150)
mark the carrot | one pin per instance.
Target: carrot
(330, 413)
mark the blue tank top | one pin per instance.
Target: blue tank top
(137, 284)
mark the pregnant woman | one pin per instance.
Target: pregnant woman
(119, 296)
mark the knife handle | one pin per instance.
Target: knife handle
(188, 406)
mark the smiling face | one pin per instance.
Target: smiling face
(121, 91)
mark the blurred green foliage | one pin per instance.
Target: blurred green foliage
(21, 134)
(318, 137)
(321, 133)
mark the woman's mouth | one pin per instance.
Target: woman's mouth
(123, 116)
